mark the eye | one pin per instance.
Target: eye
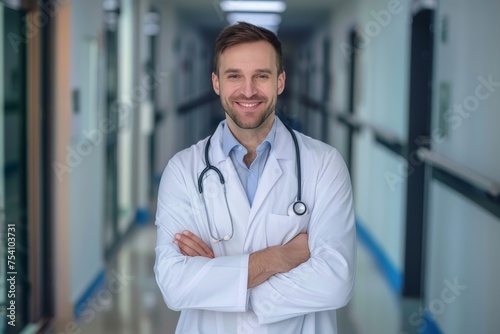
(233, 76)
(263, 76)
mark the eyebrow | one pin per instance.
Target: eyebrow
(263, 70)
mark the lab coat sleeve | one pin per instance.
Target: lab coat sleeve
(186, 282)
(325, 281)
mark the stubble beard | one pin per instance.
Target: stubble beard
(233, 114)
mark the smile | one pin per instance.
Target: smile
(248, 105)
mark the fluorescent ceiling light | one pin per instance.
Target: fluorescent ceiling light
(253, 6)
(257, 19)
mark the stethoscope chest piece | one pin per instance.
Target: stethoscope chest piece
(297, 208)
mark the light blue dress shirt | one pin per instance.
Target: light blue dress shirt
(249, 177)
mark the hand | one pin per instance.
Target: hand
(278, 259)
(190, 245)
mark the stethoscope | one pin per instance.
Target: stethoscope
(298, 207)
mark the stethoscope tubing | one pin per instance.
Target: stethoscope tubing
(298, 207)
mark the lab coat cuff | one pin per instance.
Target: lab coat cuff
(241, 294)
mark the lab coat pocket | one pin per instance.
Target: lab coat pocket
(281, 229)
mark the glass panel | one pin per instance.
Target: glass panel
(14, 226)
(111, 224)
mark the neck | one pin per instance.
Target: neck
(251, 138)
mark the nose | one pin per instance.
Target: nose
(248, 88)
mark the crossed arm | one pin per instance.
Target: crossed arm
(262, 264)
(314, 272)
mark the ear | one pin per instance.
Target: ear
(215, 83)
(281, 82)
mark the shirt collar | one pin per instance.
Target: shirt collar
(229, 141)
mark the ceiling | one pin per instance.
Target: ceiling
(300, 17)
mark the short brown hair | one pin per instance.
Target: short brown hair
(244, 32)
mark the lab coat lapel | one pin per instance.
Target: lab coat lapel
(282, 149)
(235, 189)
(272, 172)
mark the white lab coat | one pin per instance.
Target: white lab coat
(212, 293)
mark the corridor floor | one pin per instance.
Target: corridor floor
(137, 307)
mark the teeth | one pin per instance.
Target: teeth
(248, 105)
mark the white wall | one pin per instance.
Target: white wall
(382, 83)
(87, 178)
(462, 247)
(463, 237)
(383, 100)
(125, 137)
(143, 110)
(471, 44)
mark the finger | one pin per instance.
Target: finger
(181, 247)
(190, 246)
(190, 242)
(200, 246)
(183, 252)
(186, 249)
(198, 241)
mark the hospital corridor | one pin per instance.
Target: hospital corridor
(98, 96)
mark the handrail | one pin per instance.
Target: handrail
(350, 120)
(386, 135)
(382, 136)
(471, 184)
(388, 139)
(472, 177)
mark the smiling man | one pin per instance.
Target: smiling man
(255, 223)
(248, 77)
(246, 82)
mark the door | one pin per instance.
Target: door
(325, 121)
(14, 283)
(422, 54)
(111, 231)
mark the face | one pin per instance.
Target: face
(248, 84)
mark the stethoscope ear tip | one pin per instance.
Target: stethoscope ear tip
(226, 238)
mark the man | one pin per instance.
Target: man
(237, 259)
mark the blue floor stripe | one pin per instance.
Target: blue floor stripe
(142, 216)
(389, 270)
(430, 326)
(93, 288)
(391, 273)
